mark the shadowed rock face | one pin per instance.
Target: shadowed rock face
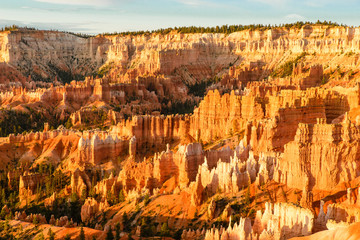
(46, 54)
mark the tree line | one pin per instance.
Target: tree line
(226, 29)
(16, 27)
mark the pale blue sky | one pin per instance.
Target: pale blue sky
(97, 16)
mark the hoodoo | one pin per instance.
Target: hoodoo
(247, 134)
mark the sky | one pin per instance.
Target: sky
(100, 16)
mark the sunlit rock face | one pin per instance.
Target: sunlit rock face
(270, 150)
(43, 54)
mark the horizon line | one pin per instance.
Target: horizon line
(254, 26)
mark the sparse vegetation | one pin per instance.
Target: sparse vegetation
(9, 28)
(51, 235)
(286, 69)
(65, 75)
(165, 231)
(199, 88)
(146, 199)
(150, 192)
(178, 107)
(15, 28)
(105, 69)
(17, 122)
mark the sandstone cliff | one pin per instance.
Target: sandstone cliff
(45, 54)
(317, 150)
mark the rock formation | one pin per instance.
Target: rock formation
(162, 54)
(91, 208)
(316, 147)
(279, 221)
(80, 182)
(29, 183)
(272, 142)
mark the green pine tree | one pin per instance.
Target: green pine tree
(121, 196)
(125, 222)
(82, 234)
(109, 234)
(51, 235)
(41, 237)
(117, 231)
(165, 231)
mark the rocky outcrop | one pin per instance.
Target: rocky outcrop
(225, 177)
(91, 208)
(80, 182)
(319, 146)
(106, 186)
(335, 212)
(303, 79)
(285, 220)
(42, 136)
(32, 218)
(78, 98)
(189, 158)
(279, 221)
(29, 183)
(241, 76)
(151, 131)
(164, 165)
(217, 113)
(197, 191)
(49, 202)
(45, 53)
(268, 118)
(78, 148)
(181, 165)
(40, 219)
(231, 176)
(185, 162)
(96, 147)
(135, 177)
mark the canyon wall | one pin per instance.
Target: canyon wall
(325, 154)
(211, 52)
(151, 131)
(44, 54)
(268, 116)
